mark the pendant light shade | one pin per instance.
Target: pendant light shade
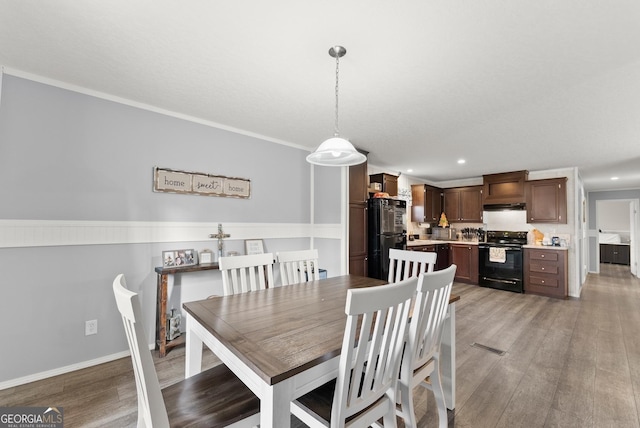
(336, 151)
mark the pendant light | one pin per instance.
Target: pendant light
(336, 151)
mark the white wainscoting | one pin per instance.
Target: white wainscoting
(45, 233)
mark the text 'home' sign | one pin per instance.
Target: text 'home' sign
(196, 183)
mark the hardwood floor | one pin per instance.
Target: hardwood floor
(568, 363)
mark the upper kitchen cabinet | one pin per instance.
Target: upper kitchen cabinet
(505, 188)
(547, 200)
(463, 204)
(389, 183)
(426, 204)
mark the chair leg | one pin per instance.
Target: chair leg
(406, 410)
(438, 393)
(389, 419)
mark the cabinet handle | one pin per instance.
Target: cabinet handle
(542, 256)
(542, 268)
(542, 281)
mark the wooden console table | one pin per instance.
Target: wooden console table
(162, 345)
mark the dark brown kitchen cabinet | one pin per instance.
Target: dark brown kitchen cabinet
(547, 200)
(466, 258)
(463, 204)
(504, 188)
(615, 253)
(546, 272)
(358, 194)
(389, 183)
(426, 203)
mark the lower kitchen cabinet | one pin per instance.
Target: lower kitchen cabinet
(615, 253)
(546, 272)
(465, 257)
(442, 251)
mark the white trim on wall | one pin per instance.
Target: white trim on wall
(45, 233)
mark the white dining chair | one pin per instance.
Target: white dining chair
(404, 264)
(246, 273)
(212, 398)
(298, 266)
(365, 388)
(421, 357)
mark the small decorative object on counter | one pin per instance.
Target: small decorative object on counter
(443, 221)
(538, 237)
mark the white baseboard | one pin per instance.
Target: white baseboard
(62, 370)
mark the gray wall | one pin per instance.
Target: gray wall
(69, 156)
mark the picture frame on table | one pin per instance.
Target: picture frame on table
(206, 256)
(178, 258)
(253, 246)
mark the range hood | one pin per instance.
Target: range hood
(519, 206)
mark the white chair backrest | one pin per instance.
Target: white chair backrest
(405, 264)
(151, 409)
(429, 312)
(383, 314)
(246, 273)
(298, 266)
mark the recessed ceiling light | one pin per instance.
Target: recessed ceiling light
(409, 170)
(461, 161)
(614, 178)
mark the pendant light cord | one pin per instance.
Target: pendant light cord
(336, 131)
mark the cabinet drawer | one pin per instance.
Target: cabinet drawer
(550, 268)
(543, 255)
(550, 281)
(542, 280)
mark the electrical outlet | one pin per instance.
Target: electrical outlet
(90, 327)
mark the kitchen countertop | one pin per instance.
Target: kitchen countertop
(545, 247)
(420, 242)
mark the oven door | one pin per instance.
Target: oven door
(505, 275)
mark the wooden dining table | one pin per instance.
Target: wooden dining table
(283, 342)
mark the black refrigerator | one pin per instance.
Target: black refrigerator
(387, 228)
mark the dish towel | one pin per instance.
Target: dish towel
(497, 255)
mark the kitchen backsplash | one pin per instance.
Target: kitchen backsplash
(504, 220)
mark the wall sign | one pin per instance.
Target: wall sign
(197, 183)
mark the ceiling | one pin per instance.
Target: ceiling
(506, 85)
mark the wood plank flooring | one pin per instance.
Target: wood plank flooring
(568, 363)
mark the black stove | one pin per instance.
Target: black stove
(501, 260)
(504, 237)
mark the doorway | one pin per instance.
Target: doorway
(617, 223)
